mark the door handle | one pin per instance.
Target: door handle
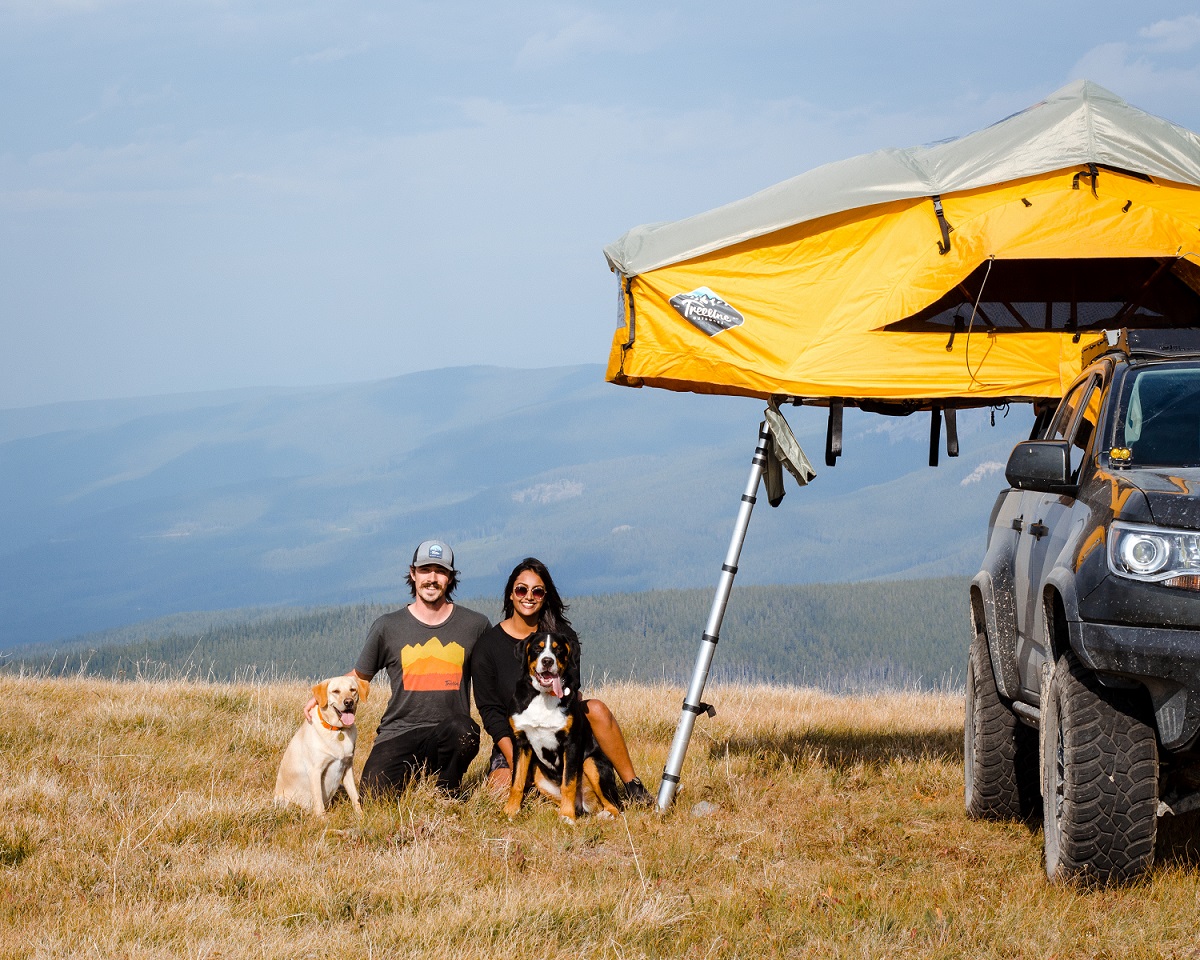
(1018, 524)
(1038, 530)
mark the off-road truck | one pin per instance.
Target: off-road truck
(1083, 679)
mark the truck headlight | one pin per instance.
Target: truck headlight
(1155, 554)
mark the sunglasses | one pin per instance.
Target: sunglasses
(537, 592)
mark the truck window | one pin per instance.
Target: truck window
(1063, 424)
(1076, 418)
(1088, 418)
(1160, 416)
(1056, 429)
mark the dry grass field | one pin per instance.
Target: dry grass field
(136, 821)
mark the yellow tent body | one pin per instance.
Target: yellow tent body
(935, 296)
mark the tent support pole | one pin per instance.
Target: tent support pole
(693, 705)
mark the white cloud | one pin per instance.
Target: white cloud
(1179, 34)
(117, 97)
(584, 33)
(331, 54)
(580, 33)
(45, 8)
(985, 469)
(1154, 68)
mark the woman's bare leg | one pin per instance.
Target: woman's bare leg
(608, 734)
(500, 780)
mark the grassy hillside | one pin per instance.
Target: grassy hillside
(138, 823)
(889, 634)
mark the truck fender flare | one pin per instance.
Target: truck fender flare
(988, 613)
(1060, 586)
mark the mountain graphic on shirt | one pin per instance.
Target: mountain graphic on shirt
(432, 666)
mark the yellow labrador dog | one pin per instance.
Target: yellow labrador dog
(321, 754)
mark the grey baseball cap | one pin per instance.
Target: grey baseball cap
(434, 553)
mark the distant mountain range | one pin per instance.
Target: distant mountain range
(119, 511)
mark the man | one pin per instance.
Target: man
(426, 649)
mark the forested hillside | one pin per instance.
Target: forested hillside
(906, 633)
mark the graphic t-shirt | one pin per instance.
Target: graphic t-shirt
(429, 667)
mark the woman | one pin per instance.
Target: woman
(532, 603)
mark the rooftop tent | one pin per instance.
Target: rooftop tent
(967, 273)
(959, 274)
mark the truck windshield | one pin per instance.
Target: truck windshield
(1159, 416)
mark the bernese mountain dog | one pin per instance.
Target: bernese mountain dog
(552, 739)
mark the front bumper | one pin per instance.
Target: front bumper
(1165, 660)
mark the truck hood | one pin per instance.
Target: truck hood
(1172, 496)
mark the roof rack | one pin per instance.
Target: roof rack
(1178, 342)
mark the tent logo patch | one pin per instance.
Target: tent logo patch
(705, 311)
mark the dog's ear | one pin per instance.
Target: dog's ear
(573, 652)
(320, 693)
(364, 688)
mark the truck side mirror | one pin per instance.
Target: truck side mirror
(1042, 465)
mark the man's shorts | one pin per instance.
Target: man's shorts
(497, 762)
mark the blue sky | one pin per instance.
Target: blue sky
(205, 194)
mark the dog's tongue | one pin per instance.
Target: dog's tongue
(556, 685)
(347, 719)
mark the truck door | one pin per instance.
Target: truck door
(1045, 522)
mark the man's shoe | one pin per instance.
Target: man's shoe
(637, 796)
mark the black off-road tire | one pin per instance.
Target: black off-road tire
(1100, 767)
(1000, 753)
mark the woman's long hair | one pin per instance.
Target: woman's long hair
(553, 615)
